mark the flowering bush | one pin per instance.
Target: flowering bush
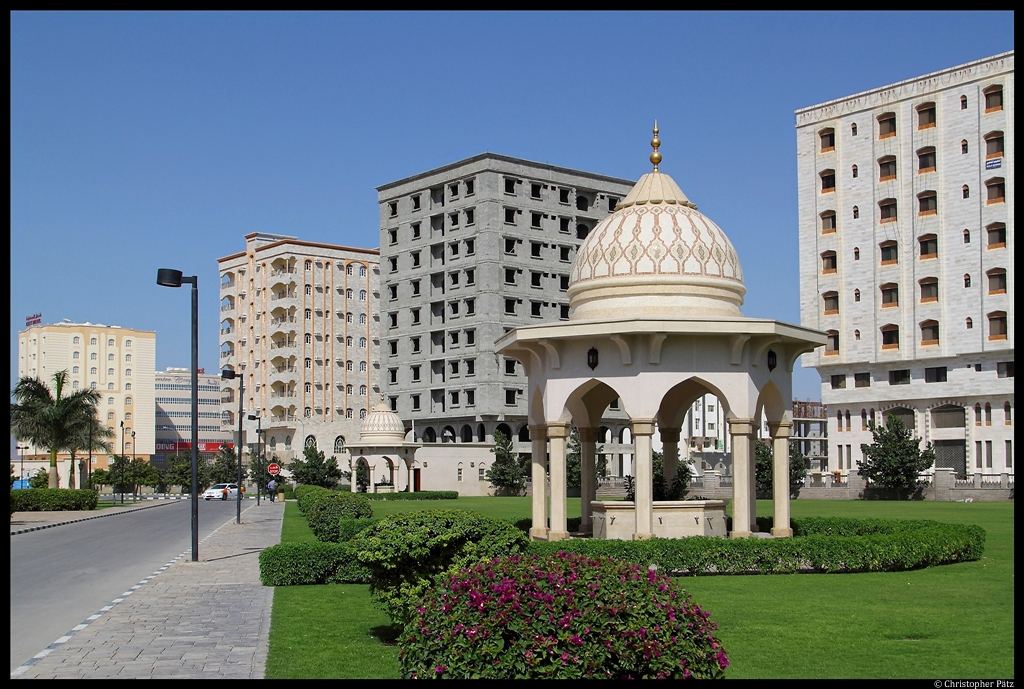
(407, 551)
(564, 616)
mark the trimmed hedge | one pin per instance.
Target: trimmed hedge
(407, 551)
(420, 495)
(295, 564)
(349, 528)
(302, 491)
(323, 511)
(53, 499)
(820, 545)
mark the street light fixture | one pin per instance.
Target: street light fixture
(133, 466)
(227, 374)
(167, 277)
(259, 455)
(22, 448)
(121, 478)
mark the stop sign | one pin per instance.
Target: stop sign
(274, 469)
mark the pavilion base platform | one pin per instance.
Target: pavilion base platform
(672, 519)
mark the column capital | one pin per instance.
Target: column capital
(670, 435)
(587, 434)
(739, 426)
(538, 432)
(642, 426)
(782, 429)
(558, 430)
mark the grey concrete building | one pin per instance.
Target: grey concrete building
(173, 389)
(906, 211)
(468, 252)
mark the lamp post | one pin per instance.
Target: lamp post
(89, 476)
(22, 448)
(133, 466)
(259, 455)
(166, 277)
(230, 375)
(121, 478)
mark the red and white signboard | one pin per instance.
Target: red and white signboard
(34, 319)
(181, 446)
(274, 469)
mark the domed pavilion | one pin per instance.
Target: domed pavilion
(383, 450)
(655, 321)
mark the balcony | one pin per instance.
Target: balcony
(226, 331)
(227, 307)
(227, 285)
(281, 344)
(282, 319)
(283, 418)
(284, 295)
(282, 395)
(227, 354)
(283, 271)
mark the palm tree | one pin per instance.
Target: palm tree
(48, 419)
(88, 430)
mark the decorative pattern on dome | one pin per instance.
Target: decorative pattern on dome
(382, 423)
(656, 240)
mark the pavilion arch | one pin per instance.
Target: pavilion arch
(466, 433)
(680, 397)
(770, 401)
(587, 403)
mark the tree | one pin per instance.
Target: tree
(660, 489)
(179, 472)
(101, 477)
(507, 473)
(50, 419)
(894, 459)
(12, 476)
(40, 480)
(90, 431)
(362, 477)
(313, 470)
(225, 466)
(574, 463)
(764, 472)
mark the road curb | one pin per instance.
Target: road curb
(85, 519)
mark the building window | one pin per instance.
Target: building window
(828, 222)
(966, 191)
(988, 414)
(862, 380)
(362, 295)
(828, 181)
(856, 295)
(510, 276)
(967, 236)
(128, 401)
(510, 396)
(74, 355)
(856, 212)
(854, 171)
(963, 102)
(997, 325)
(996, 188)
(828, 139)
(926, 116)
(929, 246)
(890, 337)
(927, 203)
(996, 235)
(828, 262)
(362, 366)
(967, 280)
(832, 346)
(839, 382)
(1007, 418)
(970, 324)
(930, 333)
(993, 98)
(963, 146)
(889, 253)
(899, 377)
(994, 145)
(886, 125)
(887, 209)
(929, 289)
(535, 248)
(110, 371)
(853, 129)
(510, 306)
(1004, 369)
(997, 281)
(831, 302)
(886, 168)
(890, 294)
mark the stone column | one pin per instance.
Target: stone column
(643, 429)
(408, 476)
(539, 479)
(352, 464)
(670, 454)
(588, 477)
(780, 477)
(743, 506)
(558, 433)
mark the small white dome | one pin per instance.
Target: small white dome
(382, 427)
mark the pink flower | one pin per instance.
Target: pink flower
(440, 668)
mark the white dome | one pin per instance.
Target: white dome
(382, 427)
(656, 255)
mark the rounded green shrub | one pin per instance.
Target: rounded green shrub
(564, 616)
(53, 499)
(324, 510)
(407, 551)
(301, 492)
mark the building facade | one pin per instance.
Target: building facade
(173, 395)
(299, 320)
(906, 212)
(117, 362)
(469, 251)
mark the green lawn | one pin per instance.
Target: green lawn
(951, 621)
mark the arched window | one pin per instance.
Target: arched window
(310, 442)
(828, 262)
(339, 444)
(362, 413)
(348, 365)
(856, 253)
(429, 435)
(963, 146)
(110, 386)
(93, 372)
(996, 235)
(963, 102)
(927, 203)
(110, 342)
(110, 416)
(853, 129)
(828, 222)
(993, 98)
(997, 325)
(930, 332)
(993, 145)
(988, 414)
(996, 188)
(977, 414)
(929, 289)
(362, 295)
(831, 302)
(309, 289)
(362, 389)
(362, 365)
(926, 116)
(76, 340)
(886, 125)
(110, 400)
(127, 372)
(856, 295)
(889, 252)
(309, 363)
(348, 293)
(362, 271)
(287, 442)
(348, 389)
(309, 265)
(967, 236)
(348, 341)
(854, 171)
(466, 433)
(75, 355)
(839, 420)
(1006, 414)
(928, 245)
(967, 280)
(362, 319)
(127, 343)
(887, 210)
(847, 419)
(828, 181)
(309, 387)
(308, 314)
(93, 341)
(309, 338)
(856, 212)
(74, 385)
(856, 334)
(127, 401)
(890, 294)
(273, 442)
(74, 369)
(832, 346)
(127, 416)
(127, 386)
(970, 324)
(863, 419)
(997, 281)
(828, 139)
(966, 190)
(362, 342)
(890, 336)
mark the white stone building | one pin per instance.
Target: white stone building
(299, 320)
(117, 362)
(906, 260)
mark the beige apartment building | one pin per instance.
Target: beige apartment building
(117, 362)
(299, 321)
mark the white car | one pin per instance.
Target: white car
(218, 492)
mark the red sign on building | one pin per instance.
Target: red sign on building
(34, 319)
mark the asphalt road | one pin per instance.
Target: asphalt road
(61, 576)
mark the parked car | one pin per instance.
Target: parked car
(222, 491)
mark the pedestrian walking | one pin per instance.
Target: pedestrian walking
(272, 489)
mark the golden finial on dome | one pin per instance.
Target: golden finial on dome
(655, 143)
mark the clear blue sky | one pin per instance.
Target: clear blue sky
(141, 141)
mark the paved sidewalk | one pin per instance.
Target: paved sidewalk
(205, 619)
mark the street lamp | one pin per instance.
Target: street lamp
(133, 466)
(22, 448)
(121, 479)
(227, 374)
(167, 277)
(259, 454)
